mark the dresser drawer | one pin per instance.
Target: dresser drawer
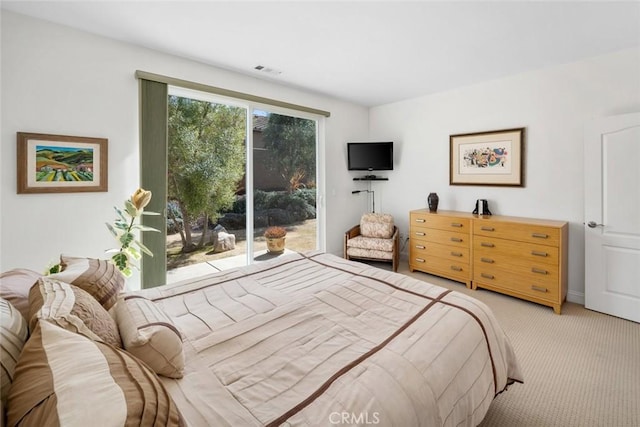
(442, 237)
(440, 222)
(537, 234)
(522, 253)
(520, 281)
(486, 262)
(441, 266)
(423, 249)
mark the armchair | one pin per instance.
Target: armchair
(376, 238)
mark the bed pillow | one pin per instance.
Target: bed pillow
(63, 378)
(13, 334)
(148, 333)
(99, 277)
(15, 285)
(73, 309)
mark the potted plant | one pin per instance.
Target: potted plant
(275, 239)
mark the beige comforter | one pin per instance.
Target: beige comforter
(313, 339)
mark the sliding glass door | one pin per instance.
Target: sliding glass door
(285, 150)
(233, 170)
(205, 171)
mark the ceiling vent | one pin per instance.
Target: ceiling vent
(267, 70)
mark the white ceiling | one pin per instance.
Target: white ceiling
(367, 52)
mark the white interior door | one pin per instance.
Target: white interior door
(612, 216)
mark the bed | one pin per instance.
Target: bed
(310, 339)
(313, 339)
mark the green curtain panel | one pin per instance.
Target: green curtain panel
(153, 159)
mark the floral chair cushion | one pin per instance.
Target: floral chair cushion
(369, 253)
(371, 243)
(376, 225)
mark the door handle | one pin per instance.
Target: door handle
(593, 224)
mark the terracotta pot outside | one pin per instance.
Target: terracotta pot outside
(276, 245)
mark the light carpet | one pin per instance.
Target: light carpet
(581, 368)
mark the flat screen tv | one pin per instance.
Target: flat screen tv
(370, 156)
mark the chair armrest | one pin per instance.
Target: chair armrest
(353, 232)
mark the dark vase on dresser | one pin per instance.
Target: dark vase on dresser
(432, 201)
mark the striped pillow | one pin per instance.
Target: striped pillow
(99, 277)
(15, 285)
(73, 309)
(13, 334)
(66, 379)
(149, 334)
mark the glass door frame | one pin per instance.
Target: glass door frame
(250, 107)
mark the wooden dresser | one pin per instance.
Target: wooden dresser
(521, 257)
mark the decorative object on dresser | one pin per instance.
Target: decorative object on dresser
(487, 158)
(432, 202)
(522, 257)
(482, 207)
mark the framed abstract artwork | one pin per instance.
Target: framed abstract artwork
(487, 158)
(61, 164)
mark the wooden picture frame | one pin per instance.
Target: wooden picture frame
(487, 158)
(61, 164)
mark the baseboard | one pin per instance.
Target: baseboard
(576, 297)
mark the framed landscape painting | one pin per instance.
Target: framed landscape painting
(487, 158)
(61, 164)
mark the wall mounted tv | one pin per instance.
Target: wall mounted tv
(370, 156)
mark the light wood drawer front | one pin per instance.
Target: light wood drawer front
(440, 236)
(423, 249)
(545, 276)
(447, 223)
(440, 265)
(540, 273)
(537, 234)
(519, 282)
(522, 253)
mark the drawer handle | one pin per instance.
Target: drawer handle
(539, 235)
(538, 253)
(539, 270)
(485, 228)
(458, 254)
(420, 220)
(419, 247)
(487, 260)
(487, 245)
(487, 276)
(456, 224)
(420, 260)
(456, 239)
(456, 268)
(538, 288)
(420, 233)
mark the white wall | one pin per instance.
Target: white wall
(61, 81)
(58, 80)
(552, 104)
